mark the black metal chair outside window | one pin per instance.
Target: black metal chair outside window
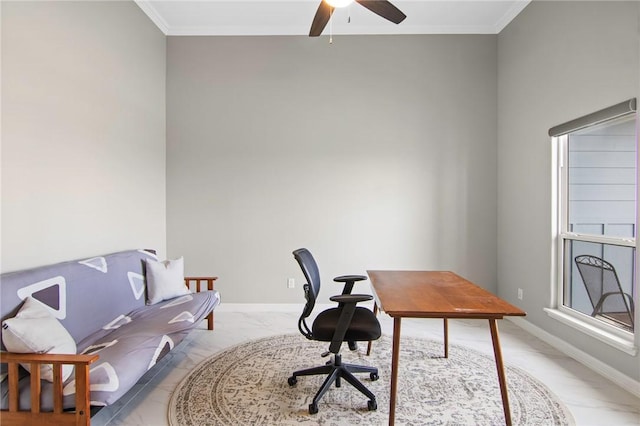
(604, 290)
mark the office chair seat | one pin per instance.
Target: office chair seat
(363, 327)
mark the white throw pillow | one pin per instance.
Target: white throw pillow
(165, 280)
(35, 330)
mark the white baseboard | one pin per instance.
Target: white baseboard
(260, 307)
(584, 358)
(276, 307)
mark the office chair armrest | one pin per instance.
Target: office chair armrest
(351, 298)
(347, 278)
(347, 306)
(348, 281)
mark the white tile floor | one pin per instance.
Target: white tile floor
(593, 400)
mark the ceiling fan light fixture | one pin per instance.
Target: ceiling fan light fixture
(382, 8)
(339, 3)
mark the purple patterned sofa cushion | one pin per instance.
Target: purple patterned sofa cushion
(83, 294)
(101, 302)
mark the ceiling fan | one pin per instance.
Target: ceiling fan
(379, 7)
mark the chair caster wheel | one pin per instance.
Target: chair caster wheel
(292, 381)
(313, 408)
(372, 405)
(374, 376)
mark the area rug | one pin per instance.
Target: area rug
(247, 385)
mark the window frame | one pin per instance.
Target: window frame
(615, 336)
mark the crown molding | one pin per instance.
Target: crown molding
(338, 29)
(150, 11)
(510, 15)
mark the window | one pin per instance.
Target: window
(596, 221)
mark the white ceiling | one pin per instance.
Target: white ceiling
(293, 17)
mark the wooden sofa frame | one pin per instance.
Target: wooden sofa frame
(82, 413)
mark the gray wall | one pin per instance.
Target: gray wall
(83, 131)
(556, 61)
(373, 152)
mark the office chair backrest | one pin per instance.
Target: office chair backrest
(312, 274)
(600, 278)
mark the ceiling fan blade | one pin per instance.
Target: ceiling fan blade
(384, 9)
(320, 20)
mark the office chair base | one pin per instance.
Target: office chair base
(335, 372)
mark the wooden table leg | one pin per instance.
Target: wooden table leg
(500, 366)
(446, 337)
(375, 312)
(394, 369)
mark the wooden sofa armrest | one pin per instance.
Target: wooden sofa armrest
(15, 416)
(199, 281)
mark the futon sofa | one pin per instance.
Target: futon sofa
(103, 304)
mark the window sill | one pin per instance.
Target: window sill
(624, 344)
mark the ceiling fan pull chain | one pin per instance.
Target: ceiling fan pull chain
(331, 30)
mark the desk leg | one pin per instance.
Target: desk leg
(394, 369)
(446, 337)
(500, 366)
(375, 312)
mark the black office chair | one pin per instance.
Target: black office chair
(345, 323)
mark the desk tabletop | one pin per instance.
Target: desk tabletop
(436, 294)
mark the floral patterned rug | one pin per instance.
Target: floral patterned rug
(247, 385)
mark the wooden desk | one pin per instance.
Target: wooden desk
(438, 294)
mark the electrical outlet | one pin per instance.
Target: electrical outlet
(520, 293)
(291, 283)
